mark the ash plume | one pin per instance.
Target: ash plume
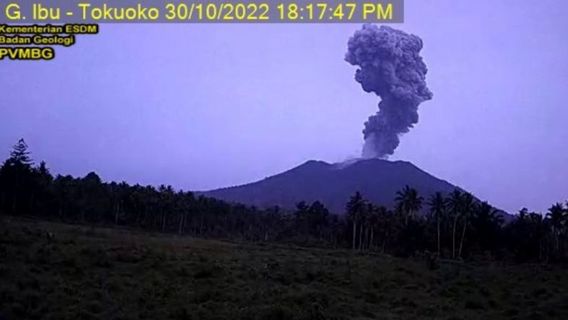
(390, 65)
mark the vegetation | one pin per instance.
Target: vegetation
(60, 271)
(455, 226)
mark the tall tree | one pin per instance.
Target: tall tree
(409, 202)
(20, 154)
(437, 205)
(167, 194)
(486, 222)
(468, 202)
(355, 208)
(372, 221)
(455, 206)
(317, 219)
(556, 216)
(301, 218)
(18, 181)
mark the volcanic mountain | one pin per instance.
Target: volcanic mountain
(333, 184)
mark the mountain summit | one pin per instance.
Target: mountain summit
(332, 184)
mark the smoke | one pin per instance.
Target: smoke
(390, 66)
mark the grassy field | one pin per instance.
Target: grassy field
(56, 271)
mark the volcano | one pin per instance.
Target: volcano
(333, 184)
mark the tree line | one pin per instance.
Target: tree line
(453, 226)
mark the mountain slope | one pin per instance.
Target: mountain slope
(333, 184)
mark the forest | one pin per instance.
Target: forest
(454, 226)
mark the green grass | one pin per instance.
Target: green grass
(56, 271)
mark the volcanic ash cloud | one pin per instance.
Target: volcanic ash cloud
(389, 64)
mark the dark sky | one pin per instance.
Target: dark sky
(206, 106)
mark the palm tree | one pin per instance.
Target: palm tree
(556, 216)
(467, 209)
(408, 201)
(437, 205)
(485, 213)
(183, 206)
(384, 225)
(487, 222)
(372, 220)
(363, 224)
(354, 210)
(454, 206)
(166, 197)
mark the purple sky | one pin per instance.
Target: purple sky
(207, 106)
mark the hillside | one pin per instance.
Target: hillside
(333, 184)
(58, 271)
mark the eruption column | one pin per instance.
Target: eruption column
(390, 65)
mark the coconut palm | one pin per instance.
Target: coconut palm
(454, 206)
(487, 223)
(437, 205)
(384, 225)
(408, 201)
(363, 225)
(468, 203)
(355, 208)
(556, 216)
(372, 220)
(485, 213)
